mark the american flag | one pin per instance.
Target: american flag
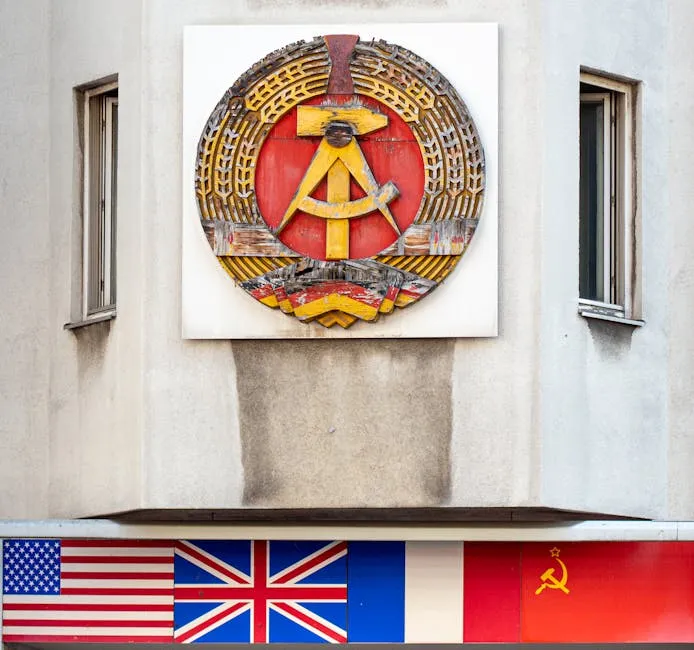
(260, 592)
(87, 590)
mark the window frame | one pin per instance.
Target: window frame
(97, 306)
(621, 226)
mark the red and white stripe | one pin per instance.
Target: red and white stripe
(110, 591)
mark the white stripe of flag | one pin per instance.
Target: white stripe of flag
(87, 615)
(89, 600)
(434, 592)
(82, 632)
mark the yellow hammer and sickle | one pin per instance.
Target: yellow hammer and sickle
(549, 581)
(339, 158)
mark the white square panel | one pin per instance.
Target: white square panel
(465, 304)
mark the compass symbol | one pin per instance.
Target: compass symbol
(337, 159)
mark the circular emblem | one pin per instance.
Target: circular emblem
(337, 179)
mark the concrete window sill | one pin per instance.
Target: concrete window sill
(100, 318)
(588, 312)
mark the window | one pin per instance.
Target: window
(607, 199)
(100, 123)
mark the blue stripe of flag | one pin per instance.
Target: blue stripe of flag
(376, 592)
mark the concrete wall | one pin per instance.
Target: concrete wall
(603, 387)
(24, 263)
(556, 411)
(315, 424)
(96, 379)
(680, 280)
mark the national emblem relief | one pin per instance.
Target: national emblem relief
(337, 179)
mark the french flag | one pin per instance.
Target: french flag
(408, 592)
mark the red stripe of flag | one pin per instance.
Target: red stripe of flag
(491, 592)
(349, 289)
(75, 622)
(262, 292)
(294, 592)
(114, 543)
(82, 638)
(261, 564)
(414, 293)
(107, 559)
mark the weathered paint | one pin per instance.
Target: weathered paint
(341, 175)
(228, 238)
(360, 288)
(337, 230)
(385, 169)
(337, 160)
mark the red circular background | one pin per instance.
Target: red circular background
(393, 155)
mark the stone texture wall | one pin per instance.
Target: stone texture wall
(555, 412)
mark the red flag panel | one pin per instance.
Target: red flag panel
(491, 589)
(607, 592)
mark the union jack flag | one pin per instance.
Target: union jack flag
(260, 592)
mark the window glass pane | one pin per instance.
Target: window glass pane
(591, 201)
(100, 237)
(113, 179)
(95, 221)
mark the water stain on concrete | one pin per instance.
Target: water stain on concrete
(611, 340)
(345, 423)
(92, 341)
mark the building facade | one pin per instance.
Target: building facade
(578, 410)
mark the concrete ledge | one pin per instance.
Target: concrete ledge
(424, 515)
(557, 532)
